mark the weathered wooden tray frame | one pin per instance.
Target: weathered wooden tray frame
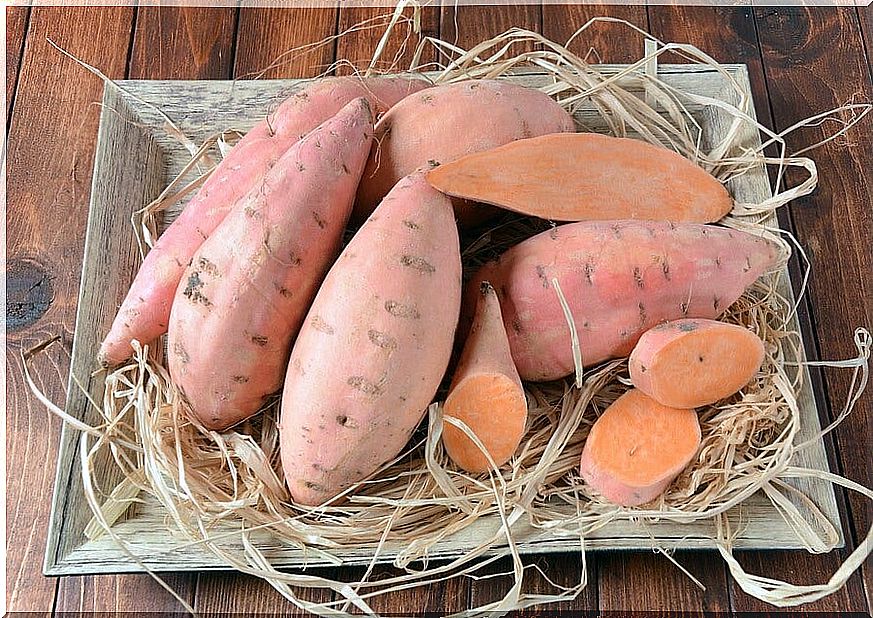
(136, 157)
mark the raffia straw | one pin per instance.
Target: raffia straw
(223, 492)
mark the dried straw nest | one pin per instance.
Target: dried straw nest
(221, 490)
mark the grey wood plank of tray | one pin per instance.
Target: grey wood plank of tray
(201, 108)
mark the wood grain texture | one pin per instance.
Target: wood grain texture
(561, 569)
(268, 41)
(813, 63)
(468, 25)
(110, 595)
(865, 15)
(601, 41)
(358, 45)
(644, 581)
(51, 149)
(221, 594)
(182, 43)
(16, 27)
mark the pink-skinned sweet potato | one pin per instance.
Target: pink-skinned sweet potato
(620, 278)
(446, 122)
(145, 311)
(244, 296)
(374, 346)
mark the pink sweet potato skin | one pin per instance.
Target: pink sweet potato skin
(244, 296)
(374, 346)
(620, 278)
(145, 311)
(447, 122)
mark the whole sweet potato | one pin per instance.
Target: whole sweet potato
(374, 346)
(620, 278)
(444, 123)
(246, 292)
(145, 312)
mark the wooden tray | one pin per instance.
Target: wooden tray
(136, 157)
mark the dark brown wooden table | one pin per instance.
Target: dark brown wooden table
(801, 60)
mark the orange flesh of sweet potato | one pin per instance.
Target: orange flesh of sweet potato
(374, 346)
(637, 448)
(249, 286)
(144, 313)
(486, 393)
(445, 122)
(620, 278)
(693, 363)
(586, 176)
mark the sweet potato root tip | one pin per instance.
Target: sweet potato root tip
(486, 392)
(637, 448)
(692, 363)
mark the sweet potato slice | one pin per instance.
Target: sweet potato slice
(693, 363)
(637, 448)
(486, 393)
(586, 176)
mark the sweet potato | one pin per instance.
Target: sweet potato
(693, 363)
(486, 393)
(374, 346)
(637, 448)
(447, 122)
(145, 311)
(245, 294)
(620, 278)
(585, 177)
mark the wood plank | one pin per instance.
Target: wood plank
(266, 39)
(834, 226)
(263, 36)
(562, 569)
(643, 581)
(168, 43)
(51, 149)
(183, 43)
(220, 594)
(357, 47)
(601, 41)
(865, 15)
(114, 594)
(16, 28)
(467, 25)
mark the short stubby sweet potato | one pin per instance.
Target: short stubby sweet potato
(620, 278)
(637, 448)
(246, 292)
(145, 311)
(374, 346)
(692, 363)
(446, 122)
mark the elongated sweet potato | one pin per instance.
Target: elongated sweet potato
(145, 311)
(620, 278)
(692, 363)
(246, 292)
(585, 177)
(374, 346)
(637, 447)
(447, 122)
(486, 393)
